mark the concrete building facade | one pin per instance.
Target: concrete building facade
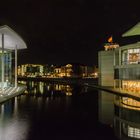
(106, 60)
(119, 67)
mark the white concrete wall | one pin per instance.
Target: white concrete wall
(106, 68)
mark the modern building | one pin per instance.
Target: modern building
(127, 77)
(10, 43)
(119, 67)
(106, 63)
(127, 64)
(127, 69)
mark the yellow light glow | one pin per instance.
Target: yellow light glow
(130, 103)
(131, 86)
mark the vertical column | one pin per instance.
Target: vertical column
(119, 66)
(16, 66)
(2, 64)
(114, 63)
(119, 56)
(10, 66)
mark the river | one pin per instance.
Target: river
(48, 111)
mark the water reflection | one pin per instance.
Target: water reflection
(106, 107)
(63, 111)
(127, 118)
(50, 89)
(12, 127)
(121, 113)
(49, 110)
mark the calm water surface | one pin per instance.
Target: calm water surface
(50, 111)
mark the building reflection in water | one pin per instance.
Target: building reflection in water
(122, 113)
(11, 127)
(127, 118)
(106, 107)
(43, 88)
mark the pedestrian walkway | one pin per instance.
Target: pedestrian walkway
(10, 92)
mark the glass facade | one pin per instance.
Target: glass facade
(131, 86)
(7, 68)
(127, 73)
(131, 56)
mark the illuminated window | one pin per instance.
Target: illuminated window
(131, 56)
(131, 86)
(133, 132)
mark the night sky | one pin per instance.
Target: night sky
(68, 31)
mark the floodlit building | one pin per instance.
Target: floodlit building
(106, 63)
(127, 69)
(127, 64)
(10, 43)
(31, 70)
(120, 66)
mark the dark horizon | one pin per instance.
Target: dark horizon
(58, 32)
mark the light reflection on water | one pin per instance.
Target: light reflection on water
(24, 115)
(42, 87)
(12, 127)
(49, 110)
(121, 113)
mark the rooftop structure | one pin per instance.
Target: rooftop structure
(133, 31)
(10, 42)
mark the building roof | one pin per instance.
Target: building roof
(135, 30)
(11, 39)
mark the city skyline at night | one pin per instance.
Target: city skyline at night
(69, 69)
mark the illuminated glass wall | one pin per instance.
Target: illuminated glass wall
(131, 56)
(127, 73)
(7, 68)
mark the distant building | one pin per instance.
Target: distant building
(68, 70)
(78, 70)
(57, 72)
(31, 70)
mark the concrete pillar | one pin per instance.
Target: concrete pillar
(120, 65)
(119, 57)
(16, 66)
(2, 64)
(114, 58)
